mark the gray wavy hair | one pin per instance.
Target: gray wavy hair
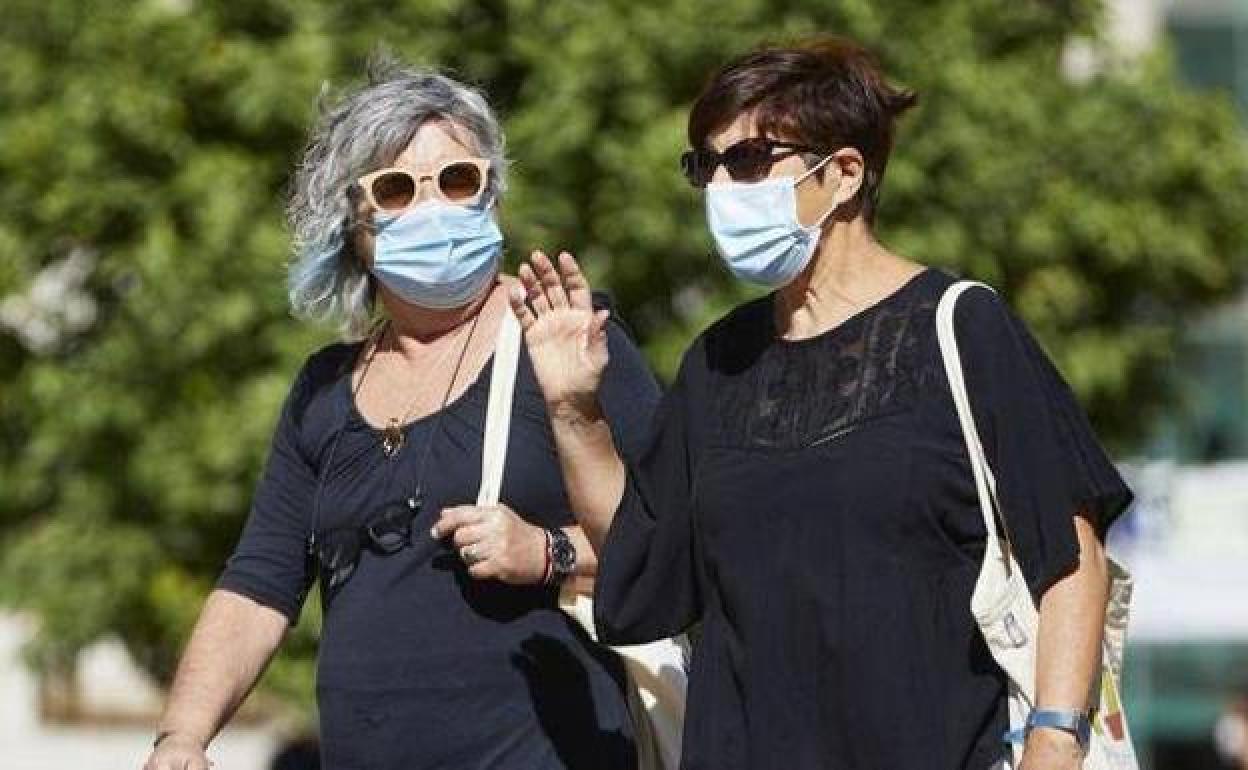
(364, 130)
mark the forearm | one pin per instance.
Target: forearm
(233, 641)
(1072, 620)
(593, 472)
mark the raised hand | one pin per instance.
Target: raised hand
(566, 337)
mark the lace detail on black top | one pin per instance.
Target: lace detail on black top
(772, 393)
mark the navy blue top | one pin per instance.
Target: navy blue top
(811, 503)
(421, 666)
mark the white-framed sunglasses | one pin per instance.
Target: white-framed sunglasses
(394, 190)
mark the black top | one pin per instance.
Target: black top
(811, 503)
(421, 666)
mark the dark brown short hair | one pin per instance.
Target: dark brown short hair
(827, 92)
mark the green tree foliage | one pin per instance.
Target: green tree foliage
(145, 147)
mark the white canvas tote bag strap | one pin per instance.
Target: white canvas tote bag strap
(498, 410)
(985, 482)
(1001, 603)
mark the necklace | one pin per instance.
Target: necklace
(415, 500)
(392, 435)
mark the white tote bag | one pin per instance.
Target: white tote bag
(1003, 606)
(656, 671)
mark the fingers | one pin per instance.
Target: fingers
(474, 554)
(451, 519)
(534, 292)
(468, 535)
(520, 306)
(574, 282)
(499, 545)
(551, 280)
(598, 327)
(548, 285)
(468, 527)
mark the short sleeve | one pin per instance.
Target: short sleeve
(269, 565)
(647, 585)
(1047, 460)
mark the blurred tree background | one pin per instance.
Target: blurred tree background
(145, 343)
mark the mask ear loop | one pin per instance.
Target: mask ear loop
(798, 180)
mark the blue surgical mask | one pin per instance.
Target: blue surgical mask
(437, 255)
(756, 230)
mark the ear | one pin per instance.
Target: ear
(357, 227)
(360, 242)
(853, 173)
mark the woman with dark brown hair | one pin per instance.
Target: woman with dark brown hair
(807, 494)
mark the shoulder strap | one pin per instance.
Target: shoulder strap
(498, 411)
(985, 482)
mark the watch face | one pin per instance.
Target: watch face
(562, 553)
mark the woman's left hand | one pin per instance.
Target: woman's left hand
(495, 543)
(1051, 750)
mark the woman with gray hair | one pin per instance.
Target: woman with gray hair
(443, 644)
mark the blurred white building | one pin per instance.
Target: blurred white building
(115, 708)
(1187, 538)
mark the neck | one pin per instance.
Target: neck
(849, 271)
(415, 328)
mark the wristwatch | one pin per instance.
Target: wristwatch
(1067, 720)
(562, 556)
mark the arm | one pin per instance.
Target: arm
(1068, 658)
(569, 351)
(232, 643)
(592, 469)
(1048, 465)
(623, 397)
(647, 585)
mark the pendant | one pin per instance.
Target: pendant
(392, 438)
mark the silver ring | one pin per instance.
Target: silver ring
(468, 555)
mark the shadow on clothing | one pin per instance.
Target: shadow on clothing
(299, 754)
(491, 599)
(567, 713)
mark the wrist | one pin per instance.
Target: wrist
(1049, 747)
(1059, 728)
(560, 556)
(1053, 736)
(176, 736)
(578, 411)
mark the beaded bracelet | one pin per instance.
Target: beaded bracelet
(548, 571)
